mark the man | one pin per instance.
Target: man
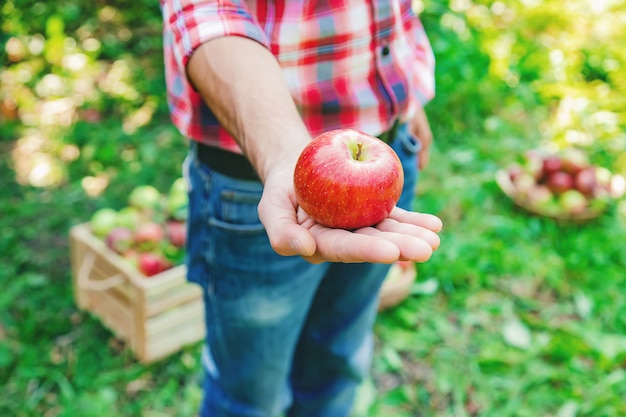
(290, 304)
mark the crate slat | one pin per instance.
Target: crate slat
(114, 314)
(174, 317)
(164, 344)
(181, 295)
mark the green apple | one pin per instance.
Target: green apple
(573, 201)
(129, 217)
(103, 221)
(176, 205)
(145, 197)
(178, 187)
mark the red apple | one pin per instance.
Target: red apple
(176, 232)
(586, 180)
(347, 179)
(551, 164)
(560, 182)
(149, 234)
(120, 239)
(151, 263)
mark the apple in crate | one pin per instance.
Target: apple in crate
(347, 179)
(176, 232)
(152, 263)
(120, 239)
(103, 221)
(145, 197)
(149, 235)
(177, 200)
(129, 217)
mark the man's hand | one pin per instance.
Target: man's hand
(404, 235)
(420, 128)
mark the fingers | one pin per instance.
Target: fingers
(411, 248)
(337, 245)
(286, 235)
(425, 220)
(427, 236)
(405, 236)
(413, 233)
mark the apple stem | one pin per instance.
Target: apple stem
(359, 148)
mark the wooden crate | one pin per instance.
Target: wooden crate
(155, 316)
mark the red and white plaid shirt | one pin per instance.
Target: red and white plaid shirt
(348, 63)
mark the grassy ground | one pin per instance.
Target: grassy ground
(515, 315)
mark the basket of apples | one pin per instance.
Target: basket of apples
(562, 185)
(150, 232)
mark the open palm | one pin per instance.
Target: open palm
(404, 235)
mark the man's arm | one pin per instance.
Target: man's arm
(242, 83)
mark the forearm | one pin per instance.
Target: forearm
(242, 83)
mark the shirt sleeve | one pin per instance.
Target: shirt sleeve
(424, 72)
(193, 22)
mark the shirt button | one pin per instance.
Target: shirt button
(385, 50)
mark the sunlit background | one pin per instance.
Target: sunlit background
(563, 60)
(516, 315)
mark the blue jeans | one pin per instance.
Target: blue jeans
(283, 335)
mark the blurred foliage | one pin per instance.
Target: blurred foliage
(551, 73)
(70, 73)
(514, 316)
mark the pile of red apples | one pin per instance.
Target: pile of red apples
(150, 232)
(563, 184)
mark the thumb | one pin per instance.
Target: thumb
(287, 237)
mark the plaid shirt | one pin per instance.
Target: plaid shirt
(348, 63)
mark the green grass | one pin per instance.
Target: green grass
(528, 318)
(515, 315)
